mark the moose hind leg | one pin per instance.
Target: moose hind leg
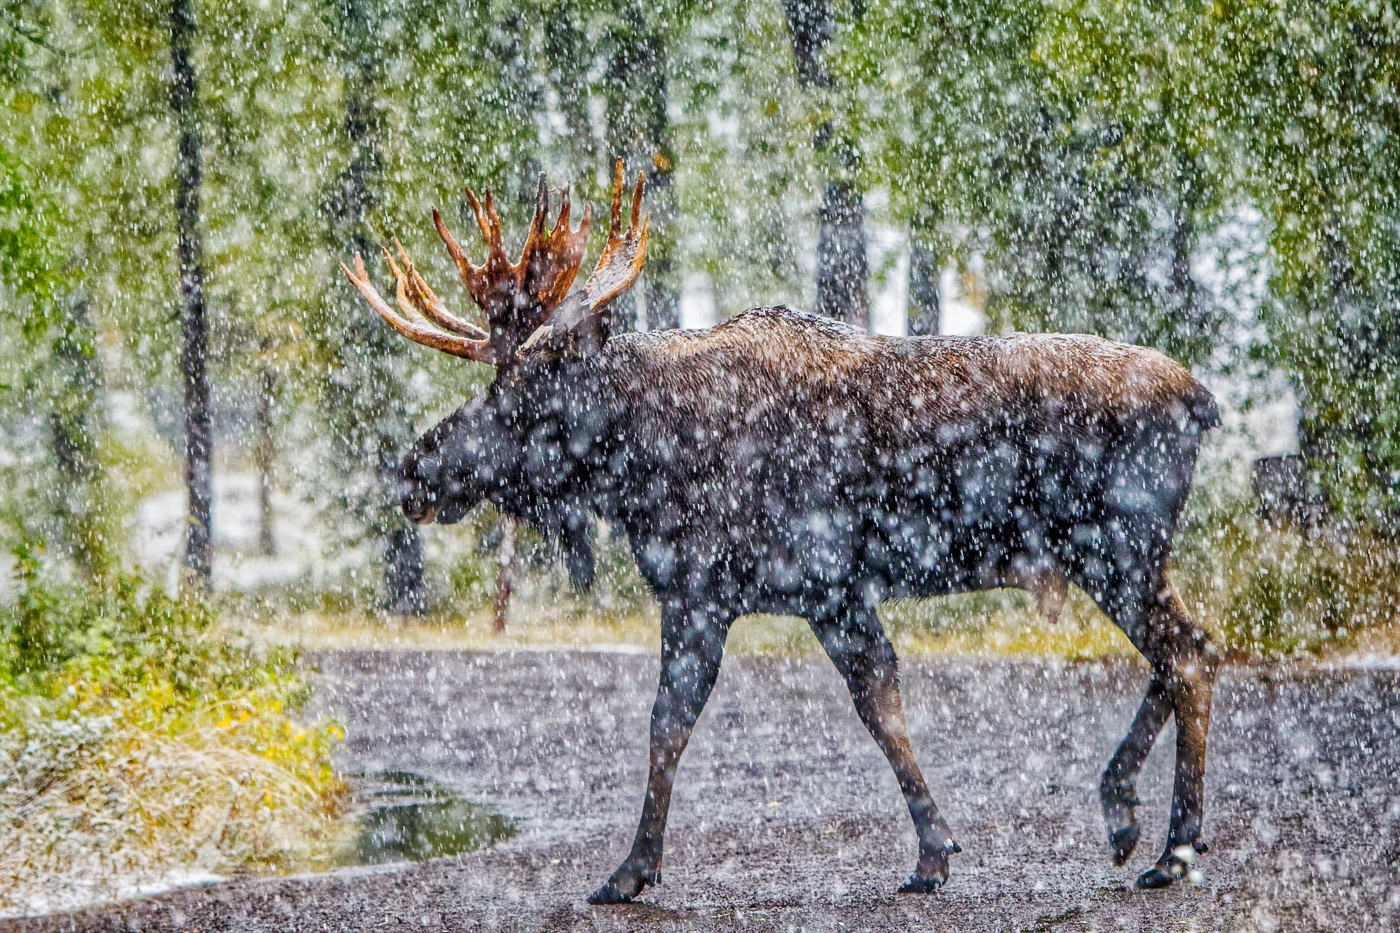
(1148, 609)
(692, 646)
(1117, 791)
(863, 655)
(1183, 657)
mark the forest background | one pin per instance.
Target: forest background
(202, 422)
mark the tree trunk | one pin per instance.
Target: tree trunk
(566, 49)
(368, 351)
(843, 270)
(1194, 330)
(75, 426)
(925, 271)
(264, 454)
(505, 576)
(639, 132)
(199, 554)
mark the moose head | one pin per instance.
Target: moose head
(536, 330)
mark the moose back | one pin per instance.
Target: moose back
(786, 463)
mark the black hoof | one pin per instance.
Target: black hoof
(608, 894)
(1123, 842)
(1155, 878)
(932, 870)
(917, 885)
(622, 887)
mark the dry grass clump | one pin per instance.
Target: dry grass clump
(136, 743)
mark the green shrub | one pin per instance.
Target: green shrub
(1269, 590)
(137, 739)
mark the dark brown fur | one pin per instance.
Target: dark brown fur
(786, 463)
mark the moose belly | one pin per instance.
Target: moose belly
(797, 562)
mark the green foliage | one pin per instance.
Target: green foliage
(1271, 591)
(137, 738)
(1316, 100)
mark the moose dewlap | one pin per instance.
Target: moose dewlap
(785, 463)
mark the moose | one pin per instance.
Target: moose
(786, 463)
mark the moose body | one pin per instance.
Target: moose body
(785, 463)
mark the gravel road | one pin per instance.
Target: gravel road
(786, 817)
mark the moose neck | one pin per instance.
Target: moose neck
(563, 415)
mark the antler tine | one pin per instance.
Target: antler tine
(563, 222)
(465, 270)
(537, 223)
(549, 262)
(480, 215)
(637, 198)
(586, 316)
(495, 240)
(425, 302)
(624, 253)
(615, 223)
(456, 345)
(406, 305)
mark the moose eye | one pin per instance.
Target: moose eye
(421, 467)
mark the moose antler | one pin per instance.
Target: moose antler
(621, 262)
(517, 297)
(417, 302)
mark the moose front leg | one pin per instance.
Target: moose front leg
(857, 645)
(692, 646)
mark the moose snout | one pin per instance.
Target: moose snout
(418, 501)
(420, 510)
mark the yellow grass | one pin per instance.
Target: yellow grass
(1001, 626)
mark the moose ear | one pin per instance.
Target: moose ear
(574, 331)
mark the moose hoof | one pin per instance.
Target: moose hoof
(920, 885)
(1157, 876)
(1118, 801)
(623, 887)
(932, 871)
(1175, 864)
(610, 894)
(1123, 841)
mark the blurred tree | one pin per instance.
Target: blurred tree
(925, 270)
(843, 269)
(49, 346)
(1132, 171)
(199, 428)
(639, 133)
(943, 88)
(365, 395)
(1066, 143)
(1316, 105)
(76, 427)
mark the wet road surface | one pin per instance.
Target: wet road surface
(786, 817)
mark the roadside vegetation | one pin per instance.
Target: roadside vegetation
(139, 740)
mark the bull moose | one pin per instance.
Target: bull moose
(784, 463)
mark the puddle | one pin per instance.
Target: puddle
(399, 816)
